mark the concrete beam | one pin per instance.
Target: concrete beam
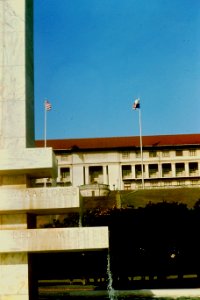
(33, 162)
(54, 239)
(46, 200)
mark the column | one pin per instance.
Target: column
(187, 173)
(160, 170)
(16, 128)
(16, 74)
(146, 171)
(14, 266)
(133, 171)
(105, 174)
(87, 180)
(173, 170)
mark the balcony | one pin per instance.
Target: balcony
(94, 190)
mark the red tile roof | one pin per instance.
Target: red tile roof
(122, 142)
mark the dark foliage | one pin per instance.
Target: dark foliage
(158, 240)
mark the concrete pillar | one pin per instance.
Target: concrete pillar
(14, 272)
(16, 126)
(173, 170)
(133, 171)
(119, 181)
(146, 172)
(160, 170)
(187, 173)
(13, 266)
(105, 174)
(87, 179)
(16, 74)
(14, 276)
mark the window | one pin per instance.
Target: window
(165, 153)
(65, 172)
(180, 169)
(126, 171)
(193, 168)
(64, 157)
(166, 170)
(137, 154)
(125, 155)
(152, 153)
(127, 186)
(153, 170)
(179, 153)
(138, 170)
(192, 152)
(65, 176)
(96, 174)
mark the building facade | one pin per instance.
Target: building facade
(167, 160)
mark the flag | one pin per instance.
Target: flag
(47, 105)
(136, 103)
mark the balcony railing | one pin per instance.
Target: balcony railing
(94, 190)
(126, 175)
(180, 173)
(194, 172)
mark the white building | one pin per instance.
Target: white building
(168, 161)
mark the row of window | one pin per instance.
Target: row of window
(150, 154)
(154, 153)
(159, 184)
(96, 172)
(166, 169)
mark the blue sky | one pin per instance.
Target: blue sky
(94, 57)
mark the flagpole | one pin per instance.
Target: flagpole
(141, 146)
(45, 125)
(136, 105)
(45, 135)
(47, 107)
